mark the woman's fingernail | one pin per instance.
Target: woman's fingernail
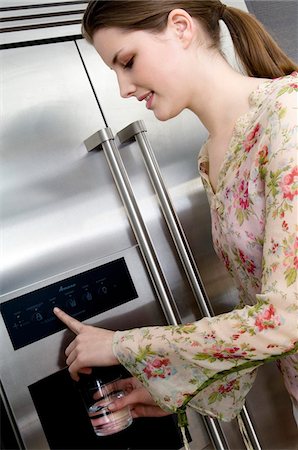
(111, 406)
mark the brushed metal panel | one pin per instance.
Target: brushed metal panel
(37, 3)
(32, 21)
(59, 207)
(67, 17)
(43, 33)
(37, 9)
(21, 368)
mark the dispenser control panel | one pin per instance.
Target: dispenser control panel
(30, 317)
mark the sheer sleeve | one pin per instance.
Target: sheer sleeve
(212, 361)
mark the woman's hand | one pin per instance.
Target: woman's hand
(138, 399)
(91, 347)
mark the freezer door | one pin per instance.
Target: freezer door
(59, 206)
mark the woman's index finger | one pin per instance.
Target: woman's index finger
(73, 324)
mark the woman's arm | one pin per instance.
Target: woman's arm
(93, 347)
(217, 356)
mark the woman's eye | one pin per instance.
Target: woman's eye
(129, 64)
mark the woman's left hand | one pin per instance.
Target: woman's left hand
(91, 347)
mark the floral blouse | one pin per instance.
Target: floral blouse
(212, 362)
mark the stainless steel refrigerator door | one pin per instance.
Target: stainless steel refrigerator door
(59, 207)
(61, 213)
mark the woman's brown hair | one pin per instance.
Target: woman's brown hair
(257, 51)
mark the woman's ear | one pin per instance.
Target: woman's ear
(182, 25)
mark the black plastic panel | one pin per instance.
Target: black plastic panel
(30, 317)
(67, 427)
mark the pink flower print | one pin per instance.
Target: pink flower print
(227, 193)
(210, 337)
(159, 367)
(296, 251)
(225, 259)
(227, 352)
(242, 256)
(294, 85)
(263, 155)
(248, 264)
(225, 388)
(232, 349)
(252, 138)
(267, 319)
(250, 267)
(274, 246)
(285, 226)
(243, 194)
(289, 184)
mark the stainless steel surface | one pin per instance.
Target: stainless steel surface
(27, 365)
(56, 199)
(162, 289)
(216, 434)
(137, 130)
(61, 214)
(59, 207)
(250, 433)
(26, 20)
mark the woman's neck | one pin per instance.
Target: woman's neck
(221, 97)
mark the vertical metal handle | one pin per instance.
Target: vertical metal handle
(137, 131)
(104, 138)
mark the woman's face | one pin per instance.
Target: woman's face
(150, 67)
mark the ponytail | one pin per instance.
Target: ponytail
(259, 54)
(257, 51)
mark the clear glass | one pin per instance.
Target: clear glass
(103, 420)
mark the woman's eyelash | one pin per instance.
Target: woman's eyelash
(129, 64)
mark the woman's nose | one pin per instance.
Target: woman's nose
(126, 87)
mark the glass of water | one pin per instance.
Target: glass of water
(98, 394)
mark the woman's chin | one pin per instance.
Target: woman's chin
(162, 116)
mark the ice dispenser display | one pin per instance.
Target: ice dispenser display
(30, 317)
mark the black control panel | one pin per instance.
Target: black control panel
(30, 317)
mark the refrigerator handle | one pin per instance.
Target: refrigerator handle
(136, 131)
(104, 140)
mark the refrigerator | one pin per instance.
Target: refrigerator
(72, 235)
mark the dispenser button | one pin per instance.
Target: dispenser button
(37, 317)
(71, 302)
(87, 296)
(102, 290)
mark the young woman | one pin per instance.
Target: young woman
(167, 54)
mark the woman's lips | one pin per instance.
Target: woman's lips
(148, 99)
